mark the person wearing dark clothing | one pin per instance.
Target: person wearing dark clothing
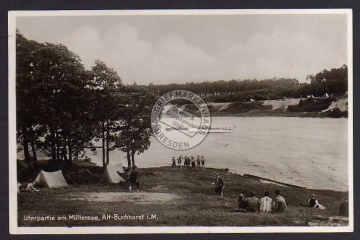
(242, 203)
(219, 185)
(344, 208)
(134, 179)
(198, 161)
(203, 162)
(173, 162)
(253, 203)
(312, 201)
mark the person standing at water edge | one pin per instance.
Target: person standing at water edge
(203, 162)
(179, 161)
(253, 203)
(219, 185)
(173, 162)
(134, 179)
(198, 161)
(265, 202)
(192, 162)
(280, 203)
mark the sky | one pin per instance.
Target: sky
(163, 49)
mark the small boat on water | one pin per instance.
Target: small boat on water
(172, 129)
(192, 130)
(218, 130)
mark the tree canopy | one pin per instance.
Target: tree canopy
(62, 107)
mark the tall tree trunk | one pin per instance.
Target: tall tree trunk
(57, 146)
(128, 157)
(103, 144)
(52, 141)
(70, 153)
(107, 142)
(34, 160)
(64, 156)
(26, 145)
(133, 159)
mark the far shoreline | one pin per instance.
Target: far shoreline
(276, 114)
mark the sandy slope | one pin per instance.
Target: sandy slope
(342, 104)
(282, 104)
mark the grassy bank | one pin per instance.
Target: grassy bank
(170, 198)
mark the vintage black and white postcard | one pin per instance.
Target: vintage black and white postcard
(181, 121)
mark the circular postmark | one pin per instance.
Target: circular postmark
(180, 119)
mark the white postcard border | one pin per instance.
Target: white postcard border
(13, 210)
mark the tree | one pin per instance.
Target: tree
(107, 87)
(134, 137)
(27, 92)
(52, 99)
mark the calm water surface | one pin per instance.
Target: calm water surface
(307, 152)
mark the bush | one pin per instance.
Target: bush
(311, 105)
(337, 113)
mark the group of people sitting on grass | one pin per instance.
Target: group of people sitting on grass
(189, 162)
(265, 204)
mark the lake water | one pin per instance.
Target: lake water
(307, 152)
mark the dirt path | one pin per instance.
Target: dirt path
(135, 197)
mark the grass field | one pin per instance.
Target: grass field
(170, 198)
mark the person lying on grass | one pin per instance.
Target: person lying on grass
(30, 187)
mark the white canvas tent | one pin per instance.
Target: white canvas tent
(50, 179)
(110, 174)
